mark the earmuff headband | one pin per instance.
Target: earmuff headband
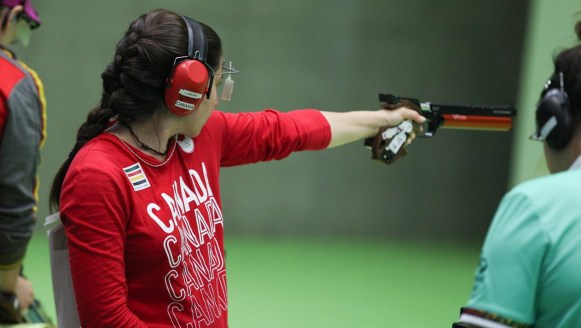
(197, 39)
(197, 47)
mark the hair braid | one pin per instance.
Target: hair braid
(134, 82)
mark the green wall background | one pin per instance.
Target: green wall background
(331, 55)
(337, 55)
(550, 30)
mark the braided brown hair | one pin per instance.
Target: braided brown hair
(134, 83)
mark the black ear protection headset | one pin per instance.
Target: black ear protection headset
(554, 117)
(191, 77)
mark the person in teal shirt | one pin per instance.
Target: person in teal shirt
(529, 273)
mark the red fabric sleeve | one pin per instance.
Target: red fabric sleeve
(269, 134)
(94, 220)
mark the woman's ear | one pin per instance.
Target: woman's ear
(14, 13)
(10, 17)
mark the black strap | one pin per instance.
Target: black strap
(197, 43)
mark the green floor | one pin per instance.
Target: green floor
(330, 283)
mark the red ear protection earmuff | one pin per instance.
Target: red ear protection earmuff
(191, 77)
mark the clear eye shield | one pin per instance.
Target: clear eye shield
(228, 83)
